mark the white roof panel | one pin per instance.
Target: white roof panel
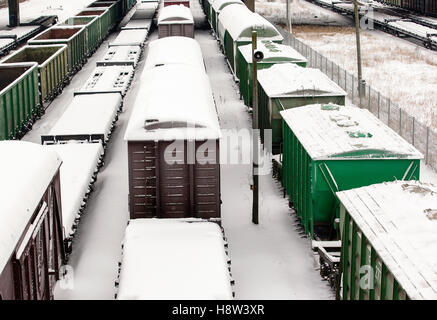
(337, 132)
(174, 259)
(121, 55)
(138, 24)
(131, 37)
(400, 221)
(88, 114)
(288, 79)
(162, 52)
(26, 170)
(173, 99)
(175, 14)
(272, 52)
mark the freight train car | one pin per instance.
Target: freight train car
(174, 259)
(185, 3)
(92, 26)
(132, 37)
(31, 238)
(162, 52)
(103, 19)
(217, 7)
(52, 67)
(273, 53)
(173, 146)
(235, 27)
(389, 240)
(20, 102)
(286, 85)
(145, 10)
(175, 21)
(75, 39)
(121, 56)
(329, 148)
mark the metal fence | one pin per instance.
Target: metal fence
(422, 137)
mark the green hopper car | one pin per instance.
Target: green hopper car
(111, 7)
(216, 7)
(207, 8)
(92, 26)
(73, 37)
(120, 7)
(286, 85)
(389, 241)
(235, 26)
(273, 53)
(330, 148)
(20, 101)
(52, 67)
(104, 19)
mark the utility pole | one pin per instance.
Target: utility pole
(14, 13)
(255, 161)
(288, 15)
(361, 82)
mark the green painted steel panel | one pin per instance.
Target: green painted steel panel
(311, 190)
(19, 98)
(365, 276)
(92, 26)
(52, 66)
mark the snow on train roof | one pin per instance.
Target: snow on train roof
(130, 37)
(272, 52)
(218, 5)
(162, 52)
(121, 55)
(173, 102)
(88, 114)
(26, 170)
(174, 259)
(138, 24)
(108, 79)
(288, 79)
(79, 162)
(239, 21)
(175, 14)
(399, 219)
(330, 131)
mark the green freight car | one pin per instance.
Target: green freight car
(273, 53)
(389, 242)
(52, 66)
(330, 148)
(235, 26)
(286, 85)
(103, 17)
(216, 7)
(73, 37)
(20, 101)
(111, 7)
(92, 26)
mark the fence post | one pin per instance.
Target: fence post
(388, 113)
(414, 129)
(353, 89)
(400, 121)
(345, 82)
(338, 74)
(427, 145)
(370, 94)
(379, 104)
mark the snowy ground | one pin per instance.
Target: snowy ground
(400, 70)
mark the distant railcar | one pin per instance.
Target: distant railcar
(173, 146)
(31, 237)
(176, 20)
(217, 7)
(92, 26)
(104, 19)
(185, 3)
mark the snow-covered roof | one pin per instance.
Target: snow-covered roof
(79, 162)
(108, 79)
(218, 5)
(138, 24)
(288, 79)
(26, 170)
(399, 219)
(121, 55)
(145, 10)
(88, 114)
(239, 21)
(175, 14)
(130, 37)
(329, 131)
(174, 259)
(173, 102)
(162, 52)
(273, 52)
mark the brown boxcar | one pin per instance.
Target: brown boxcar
(31, 236)
(185, 3)
(173, 146)
(176, 20)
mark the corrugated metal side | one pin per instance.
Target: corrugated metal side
(175, 30)
(161, 189)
